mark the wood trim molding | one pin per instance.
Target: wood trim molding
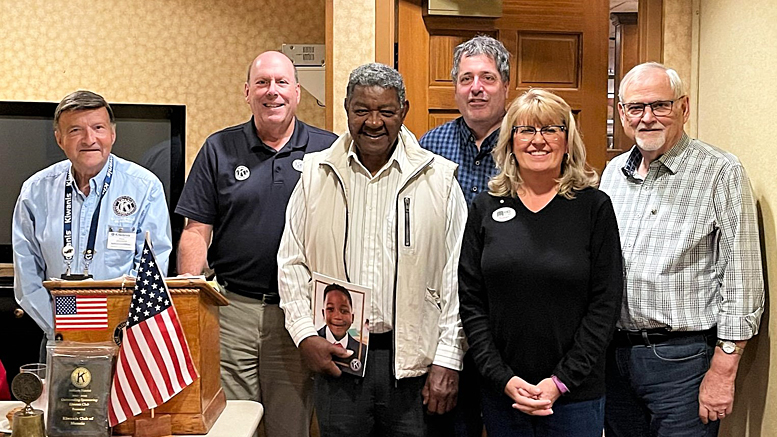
(329, 74)
(651, 30)
(385, 31)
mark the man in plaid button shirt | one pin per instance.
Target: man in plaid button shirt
(481, 75)
(693, 290)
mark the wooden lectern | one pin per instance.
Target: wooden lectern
(196, 408)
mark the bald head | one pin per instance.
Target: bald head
(272, 91)
(275, 57)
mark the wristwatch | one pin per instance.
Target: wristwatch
(729, 347)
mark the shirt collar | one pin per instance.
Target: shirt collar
(398, 158)
(298, 139)
(95, 183)
(331, 338)
(467, 137)
(671, 159)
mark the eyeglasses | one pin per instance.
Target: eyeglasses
(549, 133)
(660, 108)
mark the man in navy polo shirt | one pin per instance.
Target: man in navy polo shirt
(481, 75)
(237, 193)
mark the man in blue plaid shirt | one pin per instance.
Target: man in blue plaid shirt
(481, 75)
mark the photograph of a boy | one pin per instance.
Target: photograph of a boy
(338, 316)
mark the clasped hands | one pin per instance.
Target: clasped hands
(536, 400)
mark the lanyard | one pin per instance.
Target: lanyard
(68, 250)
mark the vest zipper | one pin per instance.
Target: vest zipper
(407, 222)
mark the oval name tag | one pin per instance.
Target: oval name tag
(503, 214)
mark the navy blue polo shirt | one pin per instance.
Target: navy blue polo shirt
(241, 186)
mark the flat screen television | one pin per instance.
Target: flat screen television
(150, 135)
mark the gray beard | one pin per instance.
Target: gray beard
(652, 144)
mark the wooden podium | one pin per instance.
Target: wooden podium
(196, 408)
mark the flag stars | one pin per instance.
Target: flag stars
(145, 282)
(146, 313)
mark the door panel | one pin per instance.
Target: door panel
(560, 45)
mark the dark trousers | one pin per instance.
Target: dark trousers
(573, 419)
(376, 405)
(653, 390)
(465, 420)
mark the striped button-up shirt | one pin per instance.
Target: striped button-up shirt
(690, 242)
(455, 141)
(370, 255)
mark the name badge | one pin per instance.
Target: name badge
(121, 240)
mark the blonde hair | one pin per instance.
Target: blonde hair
(541, 107)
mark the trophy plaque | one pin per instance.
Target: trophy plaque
(79, 388)
(28, 422)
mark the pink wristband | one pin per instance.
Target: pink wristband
(559, 385)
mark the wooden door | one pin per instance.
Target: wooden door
(560, 45)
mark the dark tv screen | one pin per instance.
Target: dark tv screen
(150, 135)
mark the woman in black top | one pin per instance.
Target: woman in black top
(540, 278)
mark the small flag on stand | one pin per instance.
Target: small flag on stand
(154, 362)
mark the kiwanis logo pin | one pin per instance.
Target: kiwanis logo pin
(356, 365)
(124, 206)
(242, 172)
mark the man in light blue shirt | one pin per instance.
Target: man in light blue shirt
(87, 215)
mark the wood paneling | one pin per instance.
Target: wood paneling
(440, 118)
(651, 30)
(626, 57)
(560, 45)
(548, 60)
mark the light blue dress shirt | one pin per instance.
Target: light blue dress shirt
(135, 202)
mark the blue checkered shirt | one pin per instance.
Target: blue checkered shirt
(455, 141)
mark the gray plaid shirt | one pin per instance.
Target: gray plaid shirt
(689, 233)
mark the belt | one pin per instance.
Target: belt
(381, 341)
(648, 337)
(268, 298)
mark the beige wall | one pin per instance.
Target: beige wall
(153, 51)
(353, 44)
(734, 45)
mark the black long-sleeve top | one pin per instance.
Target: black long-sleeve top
(540, 292)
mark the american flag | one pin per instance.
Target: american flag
(81, 312)
(154, 361)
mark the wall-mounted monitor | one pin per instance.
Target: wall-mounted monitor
(150, 135)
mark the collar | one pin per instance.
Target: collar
(331, 338)
(672, 159)
(96, 182)
(467, 137)
(336, 156)
(298, 140)
(398, 157)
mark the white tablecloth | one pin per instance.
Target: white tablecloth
(239, 419)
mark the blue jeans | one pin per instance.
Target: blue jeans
(573, 419)
(654, 390)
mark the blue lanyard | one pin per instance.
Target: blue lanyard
(68, 250)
